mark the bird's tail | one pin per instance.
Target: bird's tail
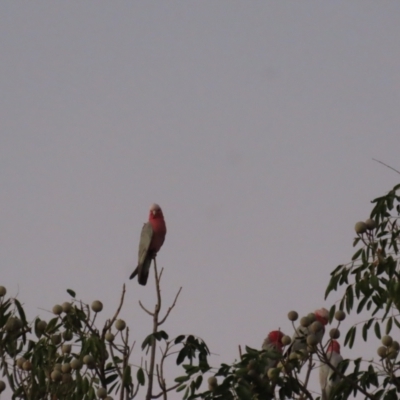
(143, 271)
(134, 273)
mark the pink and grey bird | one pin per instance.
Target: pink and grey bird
(327, 378)
(151, 240)
(273, 342)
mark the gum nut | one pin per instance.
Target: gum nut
(76, 363)
(312, 339)
(311, 317)
(293, 356)
(41, 326)
(395, 345)
(97, 306)
(66, 368)
(340, 315)
(101, 392)
(292, 315)
(273, 373)
(56, 339)
(20, 362)
(106, 355)
(212, 382)
(392, 353)
(286, 340)
(66, 307)
(67, 335)
(120, 324)
(304, 321)
(66, 378)
(88, 360)
(27, 365)
(2, 386)
(109, 337)
(371, 224)
(66, 348)
(381, 351)
(360, 227)
(57, 309)
(56, 376)
(334, 333)
(387, 340)
(316, 326)
(3, 292)
(57, 367)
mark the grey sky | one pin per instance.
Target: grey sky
(252, 124)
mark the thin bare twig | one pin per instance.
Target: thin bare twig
(108, 325)
(171, 307)
(380, 162)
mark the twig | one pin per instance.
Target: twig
(108, 325)
(170, 308)
(380, 162)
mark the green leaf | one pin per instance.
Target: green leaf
(20, 311)
(199, 381)
(71, 293)
(140, 376)
(349, 298)
(181, 379)
(180, 388)
(365, 332)
(356, 254)
(179, 339)
(389, 325)
(377, 329)
(127, 376)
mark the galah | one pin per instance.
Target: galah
(326, 379)
(300, 336)
(273, 342)
(151, 240)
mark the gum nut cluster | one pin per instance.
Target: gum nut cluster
(361, 227)
(3, 292)
(390, 348)
(97, 306)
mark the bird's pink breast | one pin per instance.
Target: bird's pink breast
(159, 232)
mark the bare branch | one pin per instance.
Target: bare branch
(170, 308)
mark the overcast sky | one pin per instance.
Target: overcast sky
(252, 124)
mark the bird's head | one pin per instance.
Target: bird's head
(334, 346)
(322, 315)
(275, 337)
(155, 212)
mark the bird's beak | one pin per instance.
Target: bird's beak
(154, 212)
